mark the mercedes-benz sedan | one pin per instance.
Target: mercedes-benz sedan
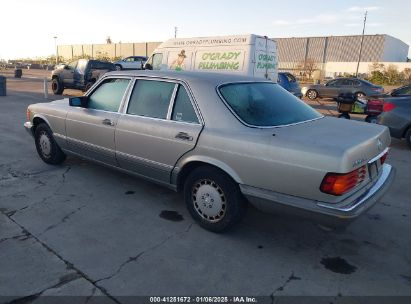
(223, 141)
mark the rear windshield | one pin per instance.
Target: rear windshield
(98, 65)
(266, 104)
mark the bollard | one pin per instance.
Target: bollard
(46, 88)
(3, 86)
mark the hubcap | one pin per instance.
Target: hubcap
(209, 200)
(45, 144)
(311, 94)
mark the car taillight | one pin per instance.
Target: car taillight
(28, 114)
(383, 158)
(338, 183)
(388, 106)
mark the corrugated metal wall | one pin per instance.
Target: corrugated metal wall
(294, 51)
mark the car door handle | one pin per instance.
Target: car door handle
(184, 136)
(107, 122)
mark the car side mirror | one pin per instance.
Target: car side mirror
(66, 67)
(148, 66)
(394, 94)
(78, 101)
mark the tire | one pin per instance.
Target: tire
(359, 95)
(344, 115)
(312, 94)
(88, 86)
(118, 67)
(408, 137)
(222, 204)
(371, 119)
(57, 86)
(46, 146)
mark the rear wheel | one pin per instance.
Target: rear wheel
(213, 199)
(371, 119)
(344, 115)
(46, 146)
(312, 94)
(359, 95)
(408, 137)
(56, 86)
(88, 86)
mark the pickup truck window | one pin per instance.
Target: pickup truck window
(183, 108)
(151, 98)
(108, 95)
(266, 104)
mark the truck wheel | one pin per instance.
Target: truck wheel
(312, 94)
(46, 146)
(118, 67)
(213, 199)
(57, 87)
(88, 86)
(408, 137)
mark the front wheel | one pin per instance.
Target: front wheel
(213, 199)
(371, 119)
(46, 146)
(312, 94)
(118, 67)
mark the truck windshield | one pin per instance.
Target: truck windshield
(265, 104)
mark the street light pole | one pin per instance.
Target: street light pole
(362, 41)
(175, 32)
(57, 50)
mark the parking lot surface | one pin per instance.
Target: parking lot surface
(86, 230)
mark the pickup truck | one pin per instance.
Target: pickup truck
(79, 74)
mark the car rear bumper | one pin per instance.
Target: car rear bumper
(29, 127)
(345, 210)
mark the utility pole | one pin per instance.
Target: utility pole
(57, 50)
(175, 32)
(362, 41)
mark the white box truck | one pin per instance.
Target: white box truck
(251, 55)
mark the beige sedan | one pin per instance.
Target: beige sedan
(223, 140)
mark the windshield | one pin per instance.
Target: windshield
(266, 104)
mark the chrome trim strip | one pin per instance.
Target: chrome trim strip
(143, 160)
(87, 145)
(172, 102)
(378, 156)
(386, 170)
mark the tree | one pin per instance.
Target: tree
(407, 74)
(392, 74)
(307, 67)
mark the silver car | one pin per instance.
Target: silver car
(222, 140)
(359, 87)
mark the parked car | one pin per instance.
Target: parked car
(396, 116)
(223, 140)
(131, 63)
(359, 87)
(401, 91)
(79, 74)
(290, 83)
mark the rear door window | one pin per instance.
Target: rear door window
(183, 108)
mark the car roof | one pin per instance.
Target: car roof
(190, 76)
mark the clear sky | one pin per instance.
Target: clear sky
(27, 27)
